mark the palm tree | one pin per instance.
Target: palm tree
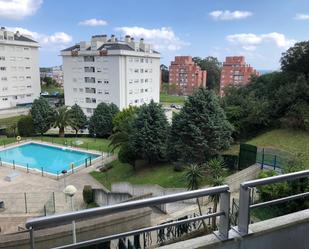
(194, 176)
(62, 119)
(215, 168)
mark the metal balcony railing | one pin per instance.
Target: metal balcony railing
(244, 197)
(61, 219)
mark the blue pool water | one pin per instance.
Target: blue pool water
(51, 159)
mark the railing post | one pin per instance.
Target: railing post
(262, 165)
(244, 210)
(0, 161)
(224, 222)
(90, 160)
(26, 207)
(27, 168)
(275, 162)
(42, 171)
(13, 164)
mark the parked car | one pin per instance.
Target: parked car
(44, 94)
(56, 94)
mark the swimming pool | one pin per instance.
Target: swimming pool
(50, 159)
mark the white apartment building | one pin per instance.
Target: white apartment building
(107, 70)
(19, 69)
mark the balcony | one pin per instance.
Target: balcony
(127, 225)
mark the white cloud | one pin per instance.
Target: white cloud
(93, 22)
(56, 38)
(226, 15)
(162, 38)
(302, 17)
(249, 41)
(18, 9)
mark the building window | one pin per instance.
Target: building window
(136, 81)
(2, 58)
(141, 70)
(130, 81)
(142, 90)
(89, 69)
(131, 91)
(130, 59)
(4, 99)
(90, 79)
(2, 68)
(90, 90)
(21, 78)
(106, 92)
(88, 110)
(99, 70)
(100, 91)
(28, 77)
(99, 81)
(4, 78)
(136, 101)
(4, 88)
(106, 81)
(136, 60)
(88, 58)
(136, 70)
(81, 90)
(26, 48)
(142, 60)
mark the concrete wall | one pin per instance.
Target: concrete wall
(88, 229)
(103, 198)
(285, 232)
(247, 174)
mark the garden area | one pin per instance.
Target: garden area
(167, 99)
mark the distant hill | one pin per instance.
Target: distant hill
(265, 71)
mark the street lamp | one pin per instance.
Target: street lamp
(70, 191)
(64, 172)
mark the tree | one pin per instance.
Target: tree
(25, 126)
(149, 135)
(215, 169)
(200, 130)
(122, 123)
(101, 122)
(50, 81)
(296, 59)
(62, 119)
(42, 115)
(78, 118)
(213, 68)
(194, 176)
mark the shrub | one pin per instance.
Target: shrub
(178, 167)
(87, 194)
(231, 161)
(25, 126)
(11, 130)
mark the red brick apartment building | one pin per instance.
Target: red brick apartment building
(186, 74)
(235, 72)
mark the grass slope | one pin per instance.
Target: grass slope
(295, 142)
(171, 99)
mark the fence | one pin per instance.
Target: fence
(273, 159)
(28, 203)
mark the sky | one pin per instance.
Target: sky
(259, 30)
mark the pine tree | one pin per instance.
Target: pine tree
(42, 115)
(200, 130)
(101, 122)
(150, 130)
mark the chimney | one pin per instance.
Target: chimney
(127, 39)
(113, 39)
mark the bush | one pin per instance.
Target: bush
(178, 167)
(231, 161)
(11, 130)
(87, 194)
(25, 126)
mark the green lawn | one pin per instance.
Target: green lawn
(7, 122)
(162, 174)
(283, 140)
(98, 144)
(171, 99)
(51, 89)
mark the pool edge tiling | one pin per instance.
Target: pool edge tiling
(47, 158)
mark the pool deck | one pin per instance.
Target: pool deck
(54, 176)
(43, 185)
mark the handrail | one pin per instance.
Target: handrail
(61, 219)
(244, 196)
(275, 179)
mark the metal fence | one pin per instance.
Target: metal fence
(42, 203)
(55, 220)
